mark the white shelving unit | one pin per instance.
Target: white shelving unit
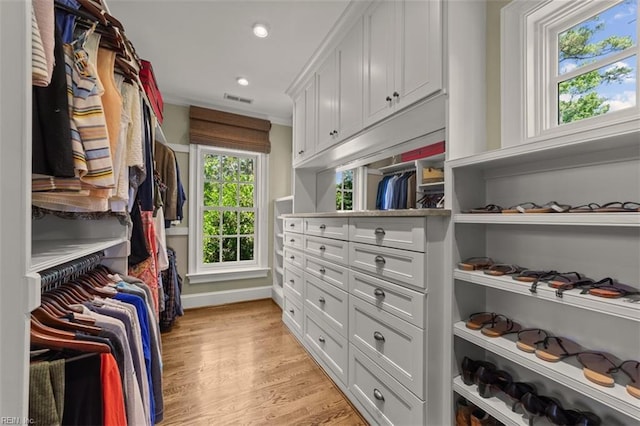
(598, 245)
(281, 206)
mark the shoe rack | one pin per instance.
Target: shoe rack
(598, 245)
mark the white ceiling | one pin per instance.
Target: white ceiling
(199, 48)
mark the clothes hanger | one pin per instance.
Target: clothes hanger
(54, 332)
(44, 340)
(47, 319)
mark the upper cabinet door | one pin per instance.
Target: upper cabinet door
(379, 27)
(418, 51)
(299, 127)
(349, 56)
(327, 88)
(304, 123)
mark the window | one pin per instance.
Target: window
(344, 190)
(569, 70)
(228, 240)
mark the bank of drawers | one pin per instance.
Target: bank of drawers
(363, 303)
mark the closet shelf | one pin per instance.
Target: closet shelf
(430, 185)
(279, 252)
(562, 372)
(46, 254)
(495, 407)
(569, 219)
(280, 235)
(279, 270)
(614, 307)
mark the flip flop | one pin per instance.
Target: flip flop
(585, 208)
(613, 291)
(557, 348)
(527, 207)
(564, 278)
(489, 208)
(530, 338)
(598, 366)
(475, 263)
(499, 269)
(530, 276)
(619, 207)
(480, 319)
(500, 326)
(633, 371)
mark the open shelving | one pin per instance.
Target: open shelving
(495, 407)
(567, 219)
(49, 253)
(281, 206)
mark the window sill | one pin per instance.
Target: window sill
(227, 275)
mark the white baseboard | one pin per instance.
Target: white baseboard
(215, 298)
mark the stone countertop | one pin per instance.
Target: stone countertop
(376, 213)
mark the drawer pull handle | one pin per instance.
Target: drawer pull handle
(323, 227)
(379, 259)
(378, 395)
(292, 240)
(377, 292)
(321, 339)
(292, 281)
(292, 311)
(321, 300)
(292, 225)
(322, 270)
(322, 248)
(379, 231)
(378, 336)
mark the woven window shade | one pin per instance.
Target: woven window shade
(226, 130)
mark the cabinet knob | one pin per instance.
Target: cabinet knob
(322, 248)
(292, 225)
(378, 336)
(321, 339)
(396, 95)
(378, 395)
(380, 260)
(331, 133)
(379, 231)
(377, 292)
(292, 257)
(389, 99)
(292, 281)
(323, 227)
(335, 133)
(301, 152)
(292, 240)
(322, 270)
(292, 311)
(321, 300)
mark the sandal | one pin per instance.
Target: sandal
(633, 371)
(489, 208)
(500, 269)
(585, 282)
(557, 348)
(528, 207)
(475, 263)
(530, 276)
(598, 366)
(585, 208)
(612, 291)
(500, 325)
(530, 338)
(480, 319)
(619, 207)
(557, 207)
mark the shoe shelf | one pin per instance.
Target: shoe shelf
(562, 372)
(567, 219)
(494, 406)
(621, 307)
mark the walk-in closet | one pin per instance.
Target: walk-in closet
(353, 212)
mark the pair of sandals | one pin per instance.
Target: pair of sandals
(492, 324)
(555, 207)
(597, 367)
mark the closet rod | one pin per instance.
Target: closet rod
(400, 171)
(54, 277)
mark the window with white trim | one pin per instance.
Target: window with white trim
(228, 224)
(344, 190)
(569, 67)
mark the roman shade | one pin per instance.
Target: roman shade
(227, 130)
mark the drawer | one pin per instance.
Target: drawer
(291, 239)
(402, 266)
(327, 271)
(386, 400)
(326, 248)
(407, 233)
(402, 302)
(394, 344)
(327, 302)
(293, 224)
(330, 227)
(293, 257)
(327, 344)
(293, 316)
(293, 281)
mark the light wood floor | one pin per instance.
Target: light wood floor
(239, 364)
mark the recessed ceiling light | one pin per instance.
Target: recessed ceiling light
(242, 81)
(260, 30)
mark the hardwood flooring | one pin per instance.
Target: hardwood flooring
(239, 364)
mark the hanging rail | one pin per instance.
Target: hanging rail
(53, 277)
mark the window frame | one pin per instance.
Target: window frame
(343, 190)
(200, 272)
(529, 95)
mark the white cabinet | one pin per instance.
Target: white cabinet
(339, 88)
(304, 123)
(403, 55)
(281, 206)
(597, 245)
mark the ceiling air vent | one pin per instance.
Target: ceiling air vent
(238, 98)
